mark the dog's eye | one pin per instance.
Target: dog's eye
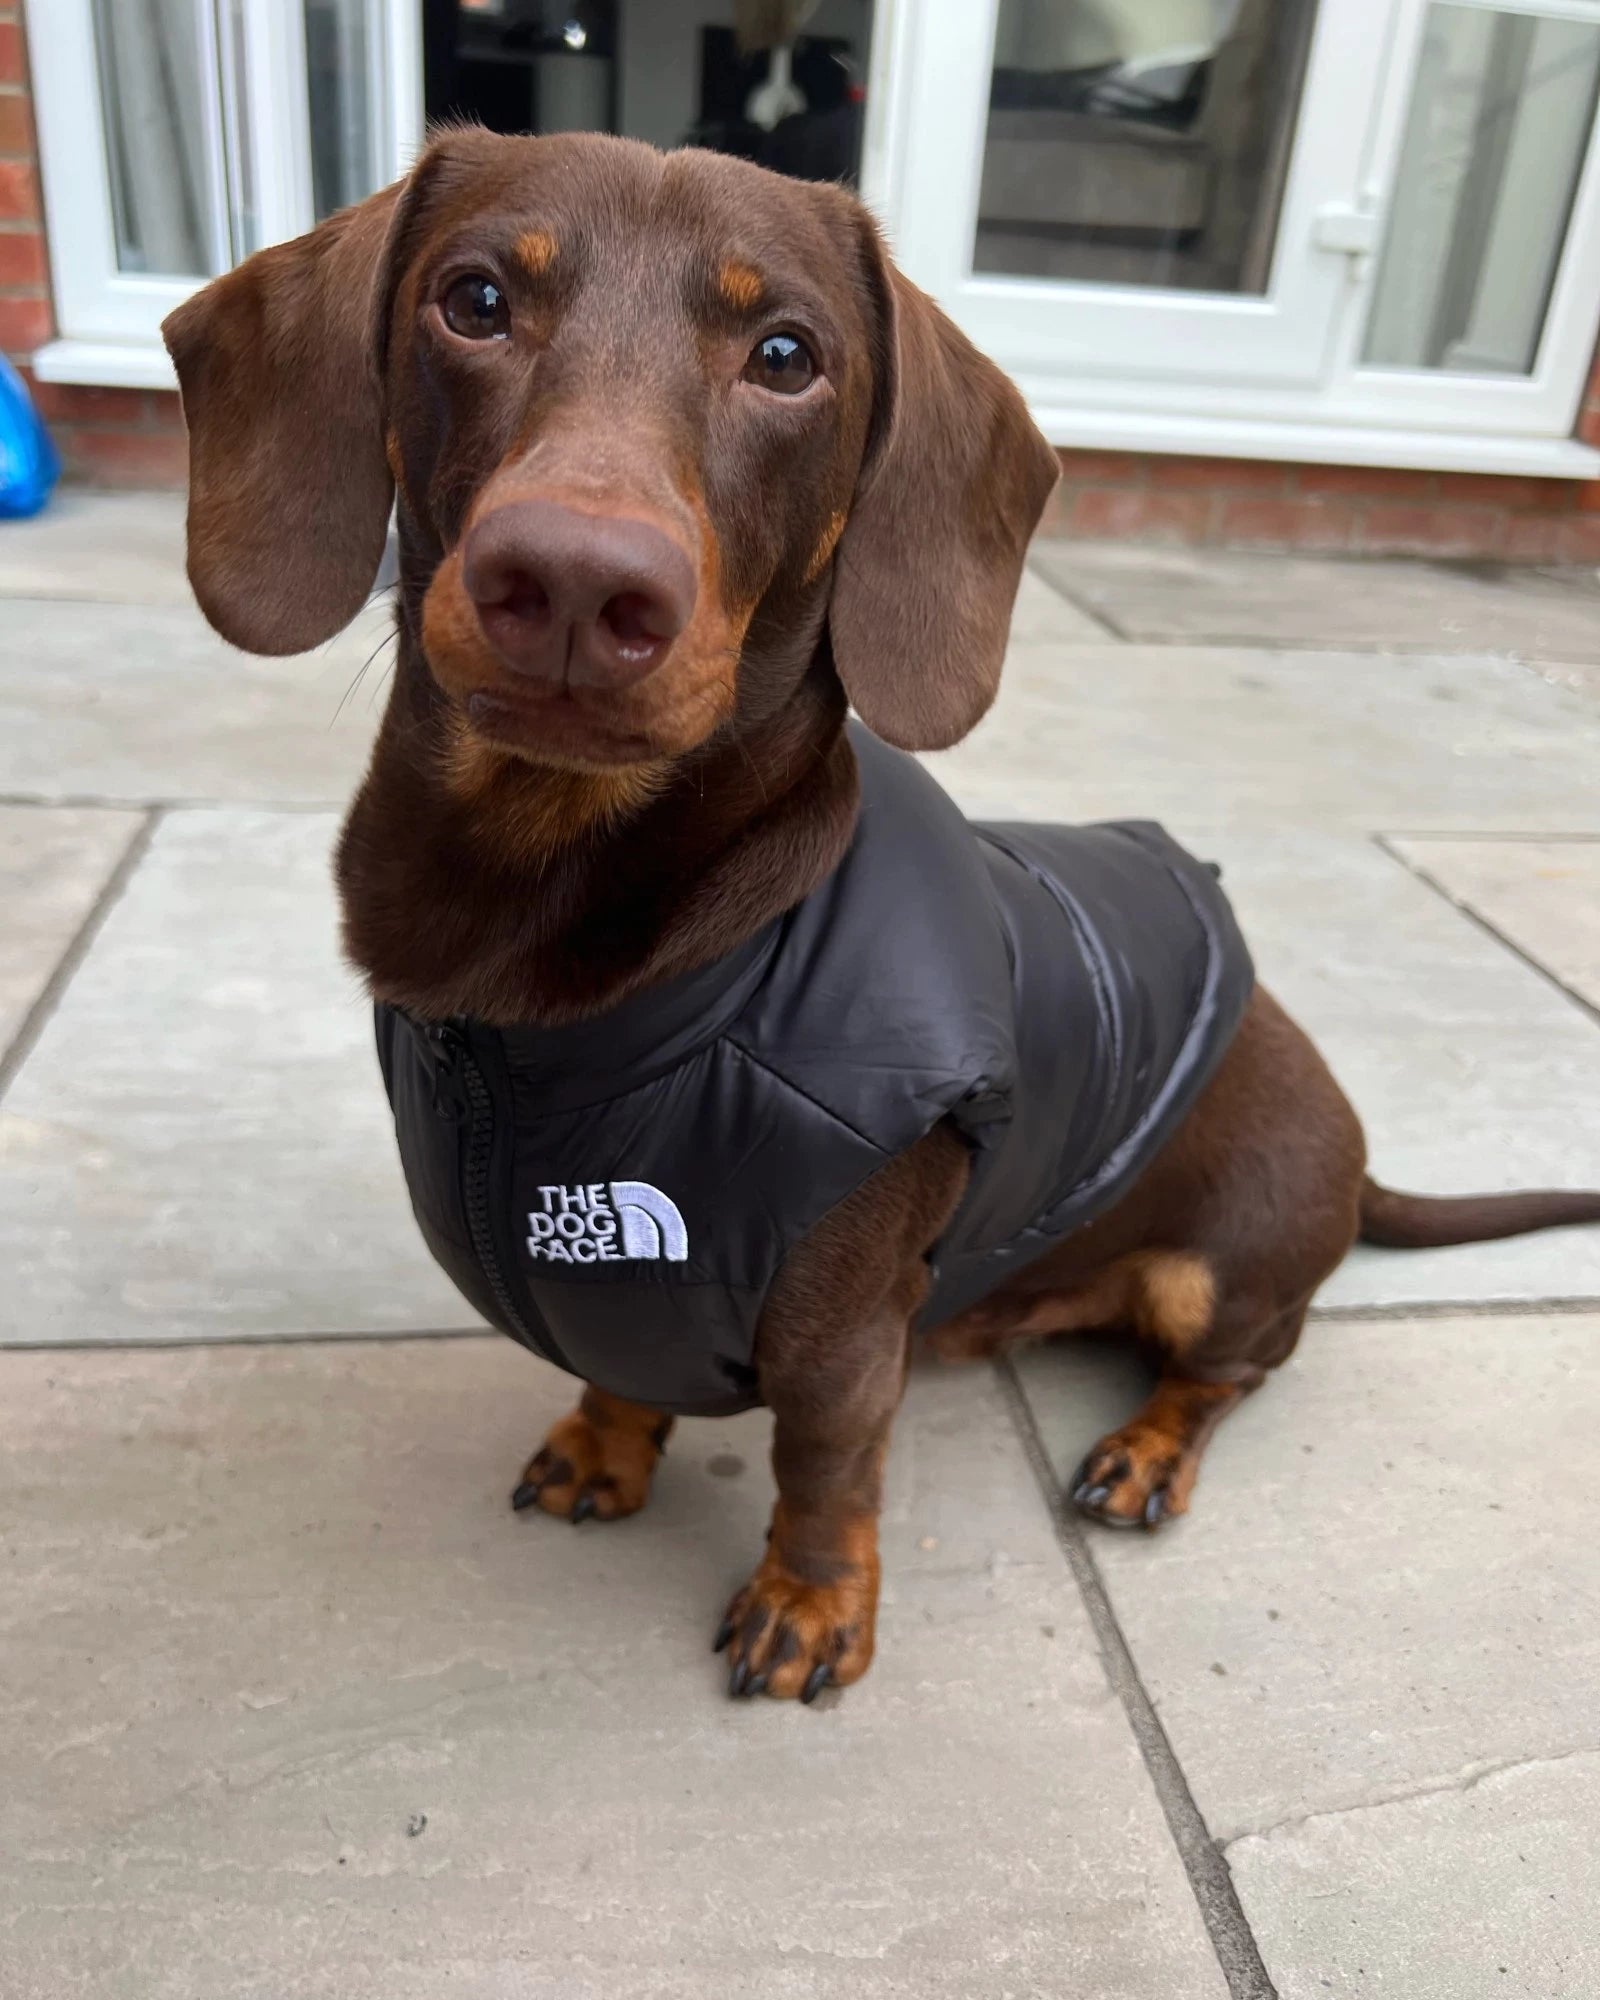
(782, 364)
(476, 308)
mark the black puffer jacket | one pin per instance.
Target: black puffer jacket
(619, 1194)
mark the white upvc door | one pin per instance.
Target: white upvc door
(1181, 228)
(1143, 181)
(177, 136)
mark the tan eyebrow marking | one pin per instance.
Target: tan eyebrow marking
(825, 548)
(536, 252)
(739, 284)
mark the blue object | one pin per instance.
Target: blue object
(29, 467)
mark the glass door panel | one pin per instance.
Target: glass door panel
(1135, 190)
(156, 63)
(1131, 144)
(1496, 137)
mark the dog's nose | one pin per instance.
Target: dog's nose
(587, 600)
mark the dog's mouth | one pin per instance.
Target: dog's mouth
(557, 727)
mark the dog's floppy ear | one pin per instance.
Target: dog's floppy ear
(289, 489)
(955, 480)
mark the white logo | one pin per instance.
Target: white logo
(604, 1223)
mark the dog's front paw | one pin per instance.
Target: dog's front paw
(596, 1463)
(787, 1638)
(1136, 1478)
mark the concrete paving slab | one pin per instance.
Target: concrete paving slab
(1208, 596)
(1387, 1582)
(1543, 895)
(53, 865)
(198, 1145)
(1217, 737)
(117, 548)
(1468, 1069)
(300, 1709)
(1043, 615)
(137, 703)
(1456, 1895)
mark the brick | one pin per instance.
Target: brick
(1498, 489)
(22, 258)
(16, 125)
(1586, 498)
(1431, 530)
(25, 323)
(10, 52)
(1578, 541)
(1531, 538)
(19, 192)
(1107, 468)
(1219, 475)
(1135, 515)
(123, 457)
(81, 403)
(1589, 426)
(1378, 482)
(1293, 522)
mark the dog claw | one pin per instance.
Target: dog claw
(724, 1634)
(757, 1684)
(816, 1681)
(582, 1508)
(525, 1494)
(1155, 1508)
(1091, 1496)
(739, 1678)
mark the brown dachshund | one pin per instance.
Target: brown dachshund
(683, 467)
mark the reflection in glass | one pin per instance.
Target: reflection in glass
(342, 43)
(1140, 142)
(152, 56)
(1495, 140)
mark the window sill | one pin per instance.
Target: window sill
(105, 364)
(1329, 443)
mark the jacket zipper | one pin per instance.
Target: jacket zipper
(456, 1058)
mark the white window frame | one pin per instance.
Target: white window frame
(1349, 414)
(110, 320)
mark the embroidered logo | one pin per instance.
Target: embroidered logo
(604, 1222)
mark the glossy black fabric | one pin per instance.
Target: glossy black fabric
(1060, 994)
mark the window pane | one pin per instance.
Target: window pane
(1140, 142)
(1495, 142)
(342, 41)
(153, 57)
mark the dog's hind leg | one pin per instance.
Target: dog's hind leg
(1144, 1472)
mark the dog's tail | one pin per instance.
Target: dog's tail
(1425, 1222)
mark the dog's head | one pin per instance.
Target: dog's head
(638, 409)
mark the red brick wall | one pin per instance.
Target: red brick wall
(1357, 509)
(134, 437)
(114, 437)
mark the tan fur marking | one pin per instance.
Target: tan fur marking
(536, 252)
(822, 553)
(739, 285)
(1179, 1299)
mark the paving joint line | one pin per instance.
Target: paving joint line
(1103, 619)
(111, 802)
(1430, 881)
(1575, 1305)
(1210, 1878)
(211, 1342)
(66, 966)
